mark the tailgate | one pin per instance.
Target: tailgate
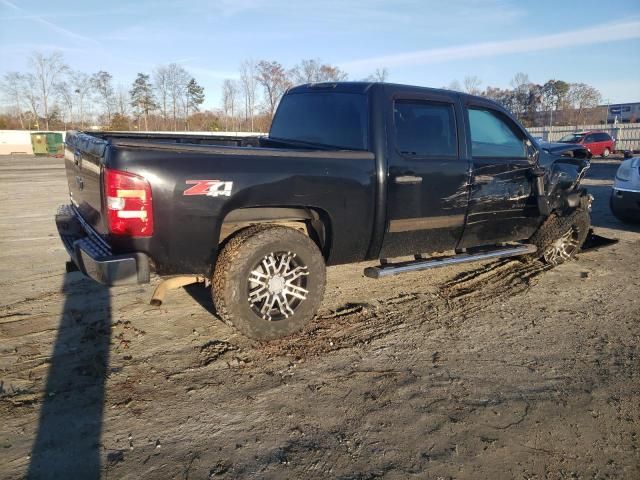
(84, 158)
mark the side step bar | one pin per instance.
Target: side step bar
(388, 269)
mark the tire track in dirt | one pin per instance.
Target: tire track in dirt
(357, 324)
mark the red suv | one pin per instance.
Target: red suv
(598, 143)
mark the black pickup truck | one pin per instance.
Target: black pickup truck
(349, 172)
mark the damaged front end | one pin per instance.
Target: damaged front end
(562, 168)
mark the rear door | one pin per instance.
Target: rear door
(83, 164)
(502, 204)
(604, 141)
(427, 181)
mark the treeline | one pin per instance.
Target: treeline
(249, 102)
(52, 96)
(555, 102)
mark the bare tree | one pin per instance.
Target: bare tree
(380, 75)
(454, 85)
(582, 96)
(161, 83)
(313, 71)
(177, 80)
(64, 92)
(472, 85)
(521, 94)
(47, 70)
(230, 92)
(81, 84)
(519, 80)
(32, 95)
(13, 87)
(274, 80)
(102, 84)
(249, 86)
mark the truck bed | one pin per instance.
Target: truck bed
(178, 138)
(261, 173)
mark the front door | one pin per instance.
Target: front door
(502, 204)
(427, 188)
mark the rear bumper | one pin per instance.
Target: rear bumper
(93, 256)
(626, 203)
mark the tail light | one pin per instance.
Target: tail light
(129, 204)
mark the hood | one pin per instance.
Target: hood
(549, 152)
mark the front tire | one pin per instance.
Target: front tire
(605, 153)
(560, 238)
(268, 281)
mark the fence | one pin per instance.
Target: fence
(626, 135)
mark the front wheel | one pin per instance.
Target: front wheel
(605, 153)
(559, 238)
(268, 281)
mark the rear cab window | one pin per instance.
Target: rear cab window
(425, 129)
(494, 136)
(332, 119)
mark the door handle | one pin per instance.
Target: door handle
(76, 157)
(407, 180)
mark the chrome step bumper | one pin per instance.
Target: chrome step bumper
(92, 255)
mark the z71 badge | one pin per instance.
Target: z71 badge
(210, 188)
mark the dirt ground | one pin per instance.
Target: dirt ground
(493, 370)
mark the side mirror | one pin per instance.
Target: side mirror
(532, 151)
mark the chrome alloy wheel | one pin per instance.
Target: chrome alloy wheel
(563, 248)
(277, 285)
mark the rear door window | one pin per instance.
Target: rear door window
(425, 129)
(332, 119)
(494, 136)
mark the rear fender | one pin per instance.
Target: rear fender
(312, 222)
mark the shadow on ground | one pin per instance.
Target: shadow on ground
(67, 444)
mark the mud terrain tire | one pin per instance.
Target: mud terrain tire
(574, 226)
(261, 252)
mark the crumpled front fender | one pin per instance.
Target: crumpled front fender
(565, 166)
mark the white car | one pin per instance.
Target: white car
(625, 197)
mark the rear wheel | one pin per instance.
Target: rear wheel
(559, 238)
(268, 281)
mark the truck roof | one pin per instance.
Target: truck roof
(364, 87)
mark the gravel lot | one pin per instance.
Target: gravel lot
(494, 370)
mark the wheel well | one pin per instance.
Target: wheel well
(312, 222)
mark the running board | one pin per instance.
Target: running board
(388, 269)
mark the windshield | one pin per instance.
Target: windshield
(572, 138)
(332, 119)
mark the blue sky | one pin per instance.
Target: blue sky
(425, 42)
